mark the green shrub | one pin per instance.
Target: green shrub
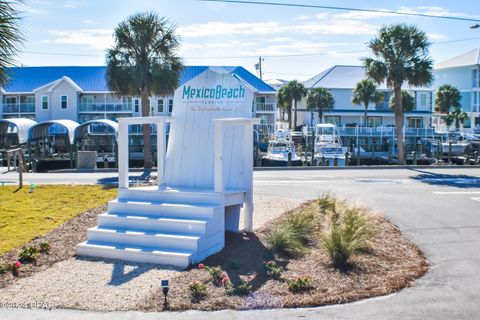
(29, 253)
(347, 236)
(283, 240)
(5, 267)
(243, 289)
(273, 269)
(44, 247)
(216, 273)
(300, 284)
(198, 290)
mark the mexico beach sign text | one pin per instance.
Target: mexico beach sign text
(217, 93)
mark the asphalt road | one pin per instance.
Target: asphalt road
(438, 209)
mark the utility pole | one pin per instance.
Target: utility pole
(258, 67)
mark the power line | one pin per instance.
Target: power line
(248, 56)
(413, 14)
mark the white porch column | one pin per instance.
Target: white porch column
(122, 154)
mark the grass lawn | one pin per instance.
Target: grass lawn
(24, 215)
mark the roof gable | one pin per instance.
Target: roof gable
(470, 58)
(52, 85)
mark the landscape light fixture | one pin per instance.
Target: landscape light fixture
(165, 288)
(476, 26)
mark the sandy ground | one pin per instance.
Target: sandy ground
(111, 285)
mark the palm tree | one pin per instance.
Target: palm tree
(10, 38)
(284, 102)
(319, 99)
(457, 116)
(296, 91)
(408, 102)
(144, 62)
(365, 92)
(400, 57)
(447, 96)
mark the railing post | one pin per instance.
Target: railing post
(122, 154)
(218, 162)
(161, 146)
(248, 176)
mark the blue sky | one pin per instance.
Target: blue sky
(234, 34)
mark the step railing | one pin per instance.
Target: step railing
(123, 130)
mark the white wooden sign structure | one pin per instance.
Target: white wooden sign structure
(204, 177)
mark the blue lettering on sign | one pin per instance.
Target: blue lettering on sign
(217, 93)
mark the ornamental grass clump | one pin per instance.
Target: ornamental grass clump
(348, 235)
(294, 233)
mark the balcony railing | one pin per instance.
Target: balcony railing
(106, 107)
(385, 131)
(18, 107)
(265, 107)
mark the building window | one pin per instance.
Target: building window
(475, 78)
(415, 122)
(170, 105)
(374, 121)
(10, 100)
(63, 102)
(333, 119)
(136, 105)
(423, 99)
(44, 102)
(160, 105)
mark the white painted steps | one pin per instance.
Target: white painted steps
(165, 227)
(134, 253)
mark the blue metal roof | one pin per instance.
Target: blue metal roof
(26, 79)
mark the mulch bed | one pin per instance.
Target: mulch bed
(393, 263)
(62, 242)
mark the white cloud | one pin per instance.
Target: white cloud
(92, 38)
(220, 28)
(73, 4)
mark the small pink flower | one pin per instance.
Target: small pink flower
(17, 264)
(224, 274)
(225, 281)
(201, 266)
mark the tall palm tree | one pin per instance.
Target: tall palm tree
(144, 62)
(457, 116)
(408, 102)
(365, 92)
(400, 57)
(319, 99)
(284, 102)
(10, 37)
(296, 91)
(447, 97)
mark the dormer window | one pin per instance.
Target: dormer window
(44, 102)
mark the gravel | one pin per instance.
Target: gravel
(102, 285)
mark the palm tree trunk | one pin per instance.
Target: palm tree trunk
(366, 116)
(147, 143)
(289, 116)
(295, 114)
(399, 123)
(320, 115)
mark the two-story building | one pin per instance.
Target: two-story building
(341, 81)
(81, 94)
(463, 72)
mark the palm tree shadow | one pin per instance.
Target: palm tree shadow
(449, 180)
